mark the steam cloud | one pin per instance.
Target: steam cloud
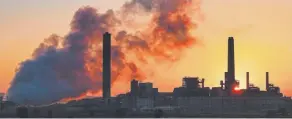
(71, 66)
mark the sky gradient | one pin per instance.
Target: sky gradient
(262, 30)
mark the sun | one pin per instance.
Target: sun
(237, 89)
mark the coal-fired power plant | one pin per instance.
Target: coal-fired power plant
(194, 86)
(231, 84)
(197, 98)
(193, 96)
(106, 73)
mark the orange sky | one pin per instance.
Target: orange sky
(262, 30)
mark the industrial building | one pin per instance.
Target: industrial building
(194, 98)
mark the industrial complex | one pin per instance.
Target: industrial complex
(192, 99)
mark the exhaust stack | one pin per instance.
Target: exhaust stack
(231, 82)
(225, 80)
(203, 83)
(267, 81)
(247, 80)
(106, 73)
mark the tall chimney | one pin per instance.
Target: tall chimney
(226, 79)
(231, 62)
(231, 67)
(203, 83)
(267, 81)
(106, 92)
(247, 80)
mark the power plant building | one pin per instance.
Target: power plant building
(193, 97)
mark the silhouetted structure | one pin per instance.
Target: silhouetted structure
(270, 87)
(134, 87)
(282, 112)
(1, 106)
(158, 113)
(247, 80)
(191, 98)
(36, 112)
(191, 82)
(50, 114)
(192, 86)
(106, 92)
(146, 90)
(122, 112)
(1, 102)
(230, 82)
(22, 112)
(267, 81)
(91, 113)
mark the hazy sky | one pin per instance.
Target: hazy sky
(262, 30)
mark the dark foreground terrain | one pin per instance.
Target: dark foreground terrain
(60, 112)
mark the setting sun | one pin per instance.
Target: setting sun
(237, 89)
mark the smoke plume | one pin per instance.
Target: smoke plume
(71, 66)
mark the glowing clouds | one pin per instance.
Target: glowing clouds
(71, 66)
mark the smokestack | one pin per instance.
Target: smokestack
(231, 65)
(226, 79)
(221, 84)
(267, 81)
(203, 83)
(247, 80)
(231, 62)
(106, 92)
